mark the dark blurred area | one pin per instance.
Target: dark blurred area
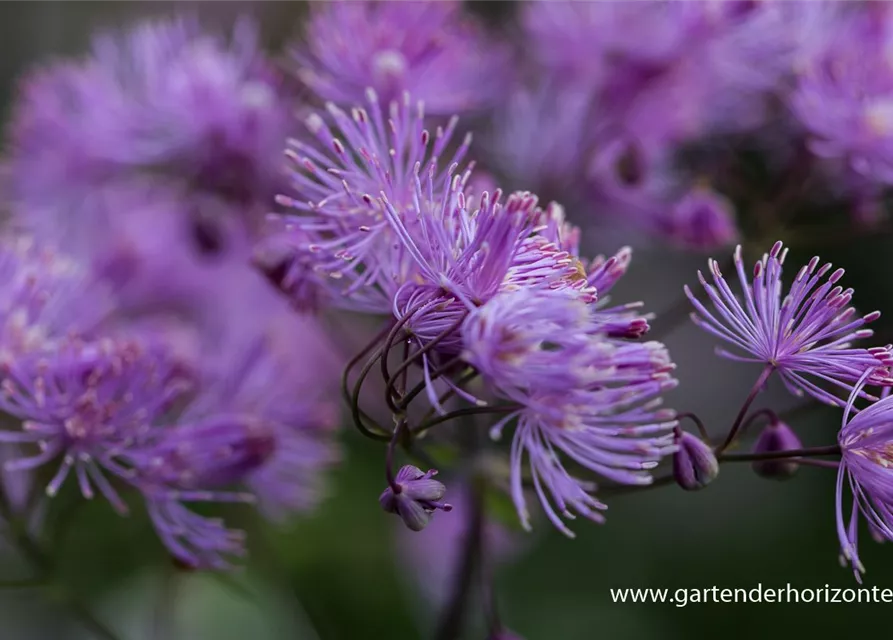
(343, 572)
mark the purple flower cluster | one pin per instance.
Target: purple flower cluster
(110, 161)
(180, 245)
(141, 350)
(429, 49)
(844, 93)
(488, 279)
(117, 406)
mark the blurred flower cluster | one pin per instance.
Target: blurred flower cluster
(203, 235)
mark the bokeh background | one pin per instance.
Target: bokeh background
(346, 572)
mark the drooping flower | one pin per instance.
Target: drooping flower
(427, 48)
(866, 446)
(805, 335)
(844, 95)
(414, 496)
(605, 417)
(336, 212)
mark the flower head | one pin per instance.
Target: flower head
(427, 48)
(414, 495)
(866, 447)
(701, 219)
(164, 99)
(844, 96)
(605, 415)
(806, 335)
(336, 212)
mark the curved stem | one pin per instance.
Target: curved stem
(359, 415)
(389, 343)
(739, 419)
(458, 413)
(389, 456)
(830, 450)
(427, 348)
(698, 423)
(449, 393)
(416, 390)
(756, 415)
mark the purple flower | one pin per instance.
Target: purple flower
(46, 299)
(665, 70)
(776, 437)
(87, 405)
(701, 219)
(427, 48)
(844, 96)
(164, 98)
(336, 185)
(605, 417)
(541, 139)
(414, 495)
(694, 464)
(867, 464)
(805, 336)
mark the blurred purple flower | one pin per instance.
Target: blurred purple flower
(337, 217)
(605, 418)
(664, 70)
(427, 48)
(414, 495)
(844, 95)
(87, 405)
(867, 464)
(805, 336)
(541, 139)
(702, 219)
(46, 299)
(164, 99)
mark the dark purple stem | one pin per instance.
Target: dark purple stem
(389, 456)
(698, 423)
(830, 450)
(739, 419)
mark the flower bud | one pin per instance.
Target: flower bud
(414, 496)
(777, 436)
(701, 220)
(694, 464)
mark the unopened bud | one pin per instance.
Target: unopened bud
(694, 464)
(414, 496)
(776, 437)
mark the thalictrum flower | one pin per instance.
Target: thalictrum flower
(805, 335)
(427, 48)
